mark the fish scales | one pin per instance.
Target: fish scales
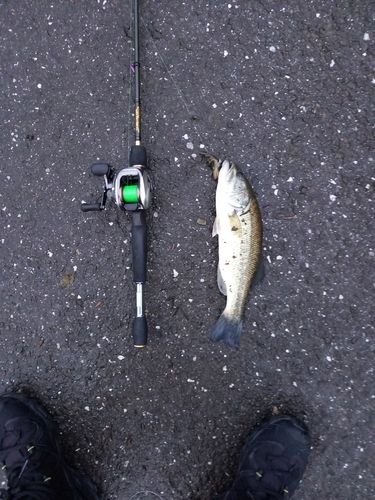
(242, 259)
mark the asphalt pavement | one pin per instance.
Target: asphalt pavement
(285, 89)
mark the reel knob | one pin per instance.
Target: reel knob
(100, 169)
(91, 207)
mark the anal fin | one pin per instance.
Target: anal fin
(259, 273)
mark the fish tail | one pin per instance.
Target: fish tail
(228, 330)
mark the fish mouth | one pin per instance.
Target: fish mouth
(226, 167)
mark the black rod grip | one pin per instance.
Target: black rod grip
(140, 331)
(138, 156)
(91, 207)
(139, 246)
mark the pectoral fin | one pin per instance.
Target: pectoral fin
(220, 282)
(235, 225)
(216, 227)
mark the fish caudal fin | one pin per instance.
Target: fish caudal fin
(228, 330)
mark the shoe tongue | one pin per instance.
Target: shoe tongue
(19, 431)
(18, 439)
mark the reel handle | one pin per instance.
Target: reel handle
(91, 207)
(139, 254)
(100, 169)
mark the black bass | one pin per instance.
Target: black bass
(238, 225)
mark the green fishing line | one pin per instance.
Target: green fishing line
(130, 194)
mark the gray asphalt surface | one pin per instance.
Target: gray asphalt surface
(286, 89)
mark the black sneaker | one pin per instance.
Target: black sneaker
(31, 455)
(272, 461)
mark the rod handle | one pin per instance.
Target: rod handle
(140, 331)
(139, 246)
(138, 156)
(139, 254)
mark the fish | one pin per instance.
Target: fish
(238, 225)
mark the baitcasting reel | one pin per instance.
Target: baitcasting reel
(130, 188)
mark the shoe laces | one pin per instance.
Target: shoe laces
(273, 472)
(25, 479)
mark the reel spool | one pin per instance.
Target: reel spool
(130, 194)
(132, 189)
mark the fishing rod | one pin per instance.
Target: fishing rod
(130, 189)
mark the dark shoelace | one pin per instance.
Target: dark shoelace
(24, 477)
(271, 478)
